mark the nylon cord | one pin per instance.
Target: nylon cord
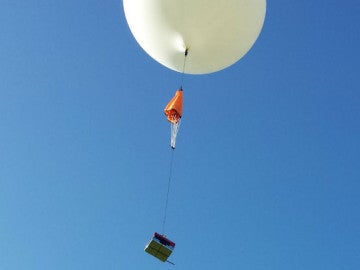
(183, 69)
(172, 154)
(168, 190)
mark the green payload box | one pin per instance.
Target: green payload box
(160, 247)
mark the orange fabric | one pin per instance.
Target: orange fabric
(173, 109)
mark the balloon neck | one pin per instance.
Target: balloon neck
(186, 51)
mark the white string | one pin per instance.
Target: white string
(174, 131)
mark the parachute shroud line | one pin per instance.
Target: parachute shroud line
(174, 131)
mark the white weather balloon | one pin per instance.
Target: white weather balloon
(217, 33)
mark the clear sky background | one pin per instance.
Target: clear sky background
(266, 170)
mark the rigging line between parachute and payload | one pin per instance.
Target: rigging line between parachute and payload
(168, 189)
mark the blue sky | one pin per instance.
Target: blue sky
(266, 170)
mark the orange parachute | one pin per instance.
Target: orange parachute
(173, 109)
(173, 112)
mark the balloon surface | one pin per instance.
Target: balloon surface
(217, 33)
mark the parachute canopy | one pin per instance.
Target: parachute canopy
(173, 112)
(173, 109)
(217, 33)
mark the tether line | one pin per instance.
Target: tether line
(183, 69)
(168, 190)
(172, 153)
